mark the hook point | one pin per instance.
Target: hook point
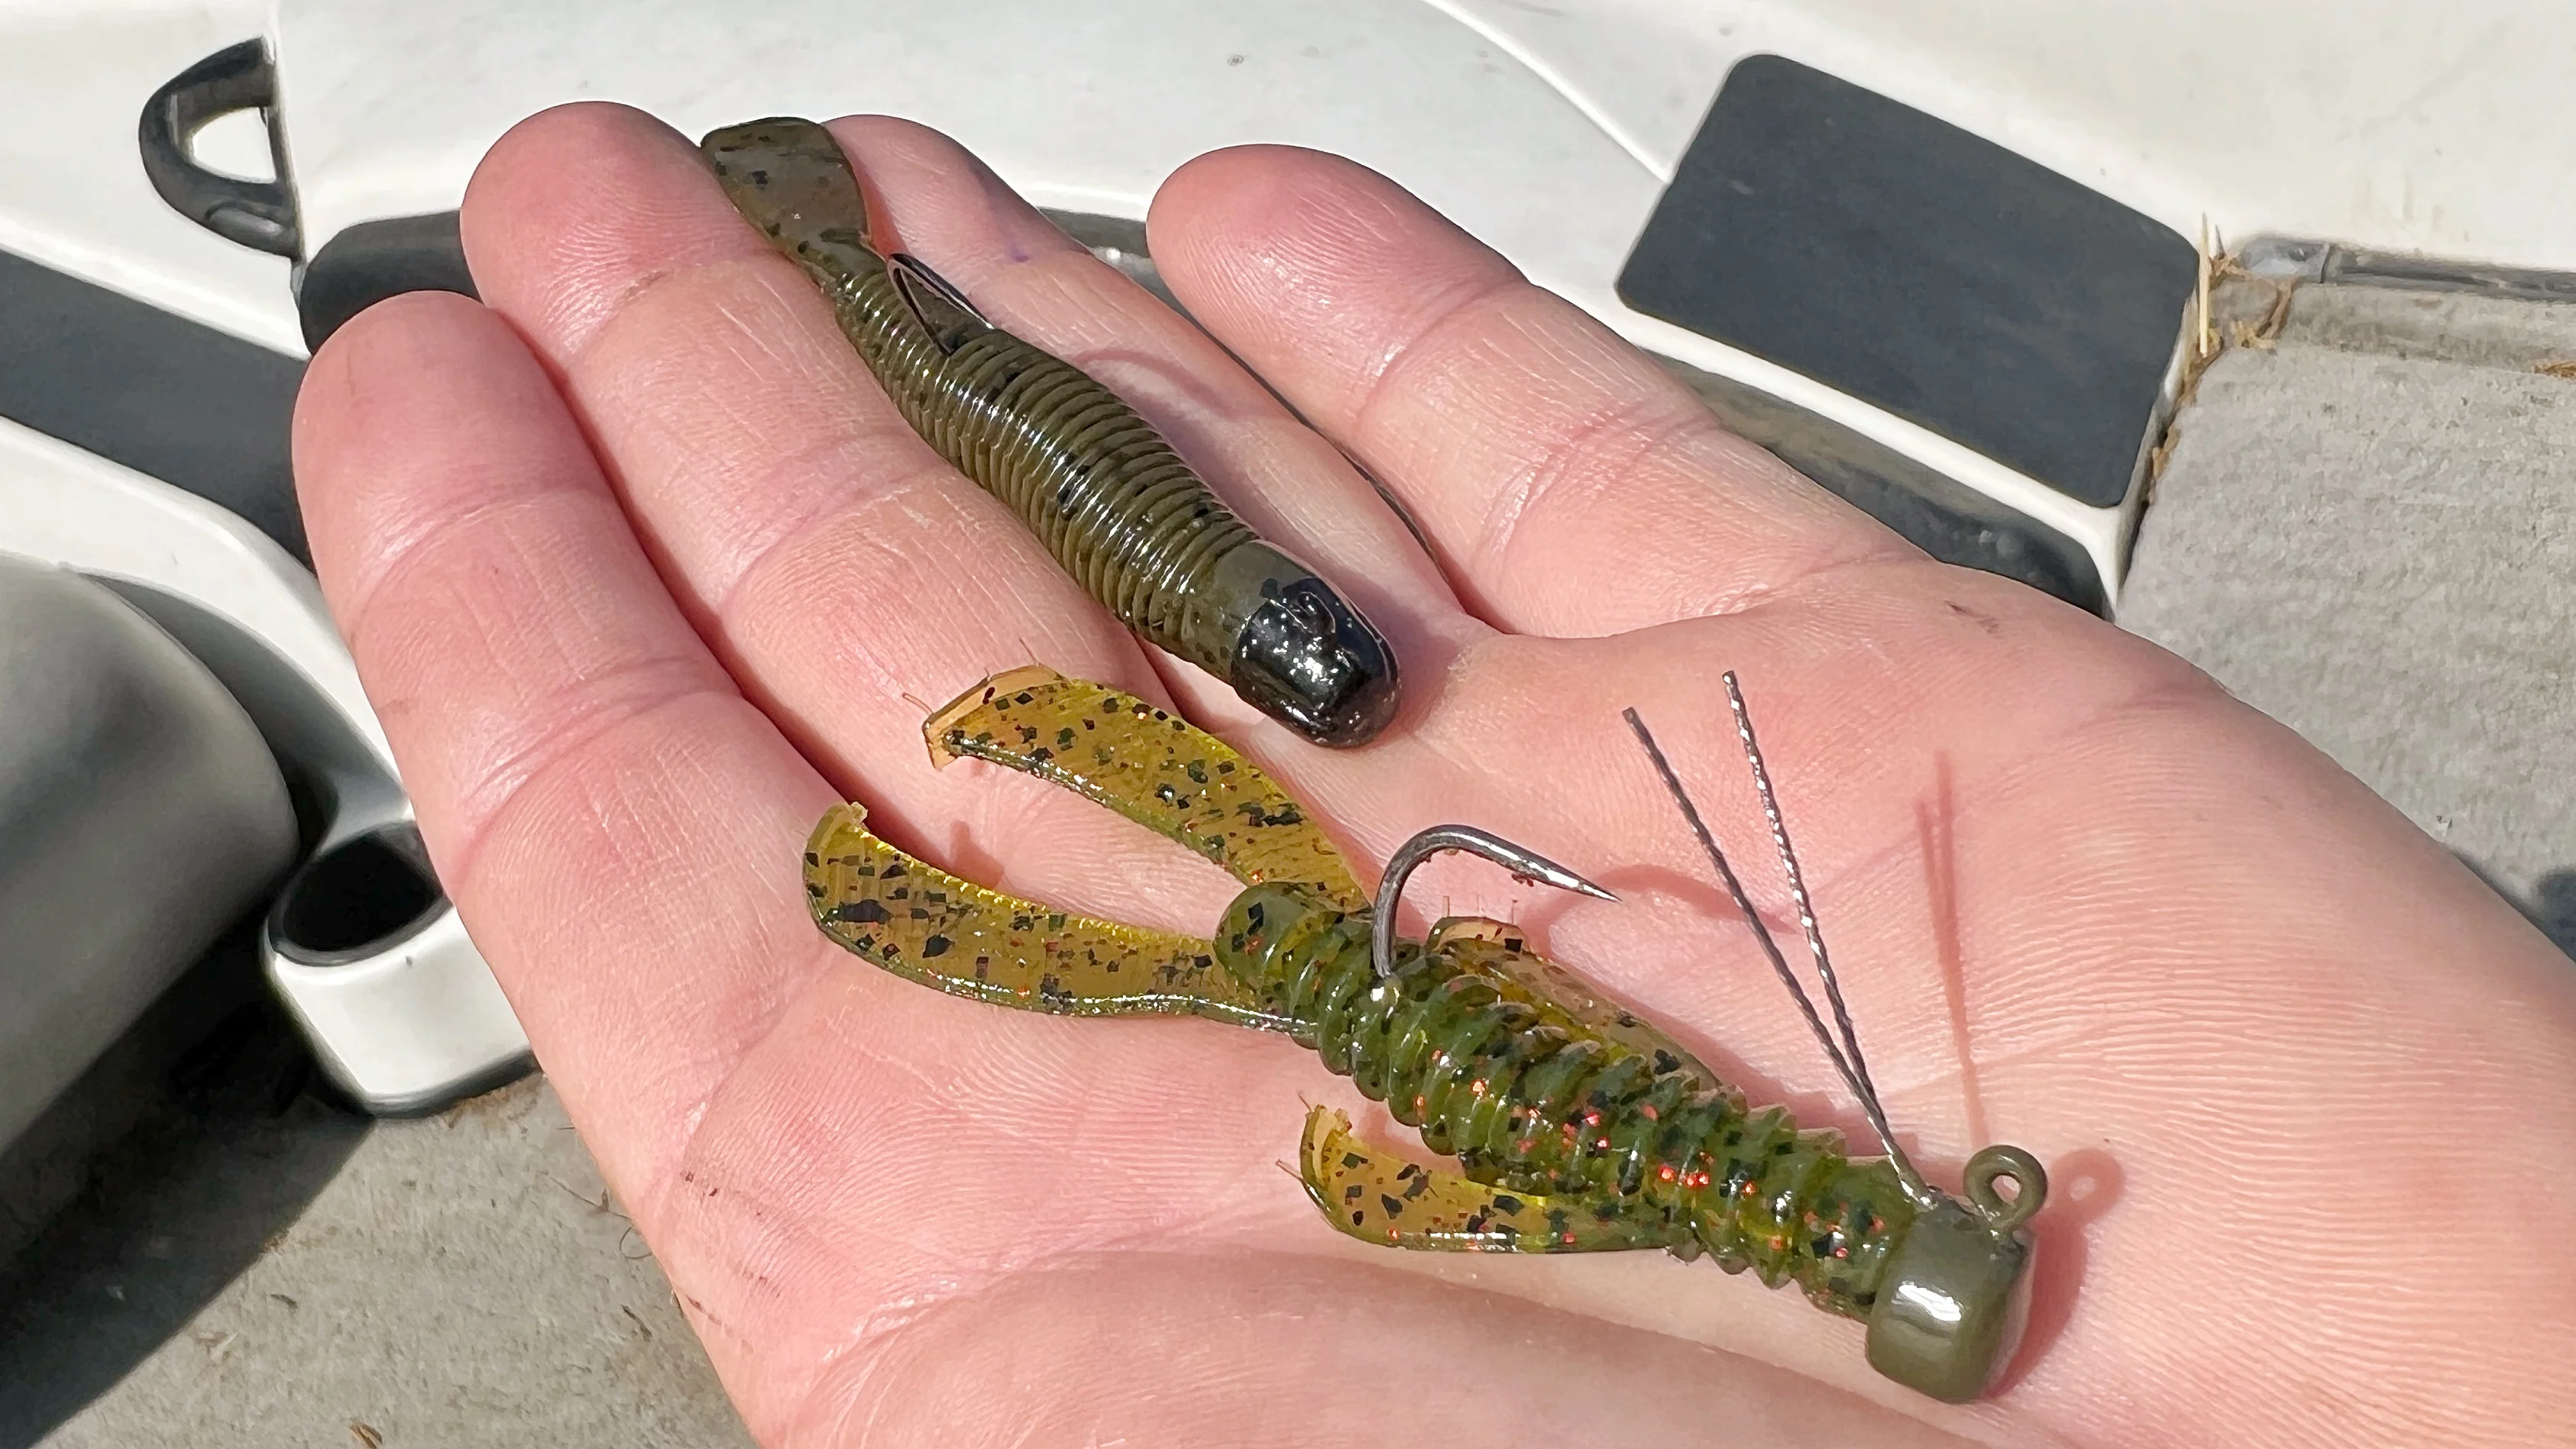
(1520, 860)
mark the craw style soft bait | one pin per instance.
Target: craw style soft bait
(1574, 1125)
(1116, 506)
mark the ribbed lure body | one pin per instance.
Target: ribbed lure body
(1637, 1144)
(1116, 506)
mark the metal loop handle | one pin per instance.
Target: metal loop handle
(258, 214)
(2030, 1183)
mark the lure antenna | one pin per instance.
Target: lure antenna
(1845, 1054)
(1520, 860)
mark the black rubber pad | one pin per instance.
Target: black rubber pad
(374, 260)
(187, 404)
(1901, 260)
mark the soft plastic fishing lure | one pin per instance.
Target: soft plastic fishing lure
(1576, 1126)
(1116, 506)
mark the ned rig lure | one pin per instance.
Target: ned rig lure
(1574, 1125)
(1112, 501)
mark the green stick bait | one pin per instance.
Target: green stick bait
(1113, 502)
(1574, 1126)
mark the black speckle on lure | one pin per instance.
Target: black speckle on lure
(1112, 501)
(1575, 1126)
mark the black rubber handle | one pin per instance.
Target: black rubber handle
(257, 214)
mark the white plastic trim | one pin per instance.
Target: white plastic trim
(69, 506)
(410, 1027)
(73, 196)
(417, 1024)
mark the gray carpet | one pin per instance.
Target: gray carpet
(2369, 532)
(458, 1280)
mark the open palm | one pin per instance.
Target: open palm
(644, 573)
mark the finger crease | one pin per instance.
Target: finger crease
(404, 554)
(1793, 580)
(1576, 464)
(1428, 337)
(653, 282)
(617, 702)
(925, 471)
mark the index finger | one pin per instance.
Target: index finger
(1568, 485)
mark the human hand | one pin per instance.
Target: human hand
(643, 573)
